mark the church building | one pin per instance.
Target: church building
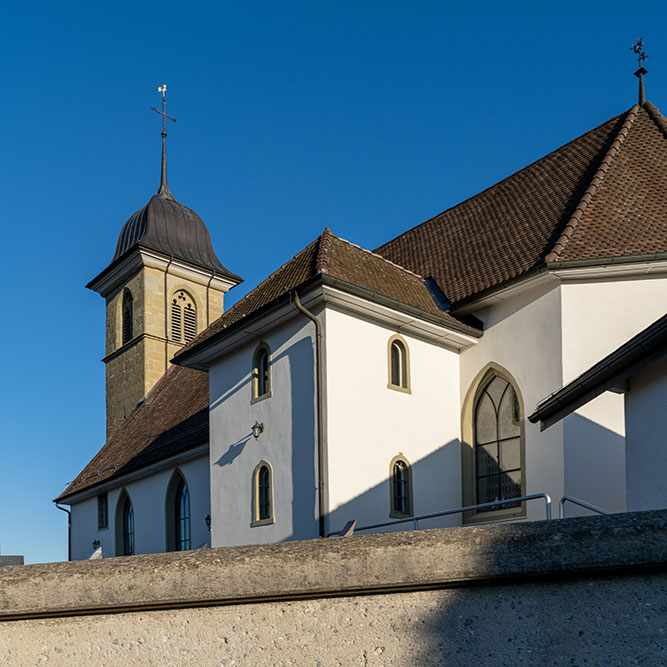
(378, 384)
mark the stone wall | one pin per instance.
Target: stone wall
(575, 591)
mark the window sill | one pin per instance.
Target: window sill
(397, 515)
(262, 522)
(473, 517)
(258, 399)
(395, 387)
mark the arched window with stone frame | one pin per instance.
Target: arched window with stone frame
(262, 495)
(400, 488)
(177, 514)
(398, 364)
(125, 543)
(261, 372)
(494, 446)
(183, 317)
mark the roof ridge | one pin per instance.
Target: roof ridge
(656, 116)
(598, 177)
(493, 186)
(324, 251)
(256, 287)
(384, 259)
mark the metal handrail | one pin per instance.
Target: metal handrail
(458, 510)
(576, 501)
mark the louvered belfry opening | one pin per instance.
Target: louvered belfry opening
(183, 317)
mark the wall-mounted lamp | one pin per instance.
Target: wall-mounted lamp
(207, 520)
(96, 544)
(257, 429)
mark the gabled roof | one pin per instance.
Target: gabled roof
(614, 369)
(331, 257)
(601, 195)
(172, 419)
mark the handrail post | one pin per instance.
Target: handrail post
(547, 511)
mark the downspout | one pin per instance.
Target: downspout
(166, 316)
(69, 531)
(320, 428)
(208, 309)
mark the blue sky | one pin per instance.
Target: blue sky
(368, 117)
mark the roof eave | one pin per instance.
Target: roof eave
(97, 283)
(189, 357)
(639, 351)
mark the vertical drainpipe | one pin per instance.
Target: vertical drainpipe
(208, 309)
(320, 429)
(69, 531)
(166, 316)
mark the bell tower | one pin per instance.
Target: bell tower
(163, 286)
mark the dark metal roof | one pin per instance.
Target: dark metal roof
(167, 226)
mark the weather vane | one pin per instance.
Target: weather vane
(638, 50)
(165, 117)
(164, 188)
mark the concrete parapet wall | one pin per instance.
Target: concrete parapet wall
(548, 593)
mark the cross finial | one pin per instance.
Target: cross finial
(638, 50)
(164, 188)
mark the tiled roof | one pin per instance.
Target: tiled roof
(602, 195)
(329, 255)
(172, 419)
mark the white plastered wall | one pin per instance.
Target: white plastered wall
(522, 335)
(148, 496)
(368, 424)
(287, 443)
(597, 317)
(645, 438)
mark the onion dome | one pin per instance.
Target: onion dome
(167, 226)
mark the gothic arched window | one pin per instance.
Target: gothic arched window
(498, 446)
(400, 487)
(183, 317)
(263, 494)
(261, 372)
(399, 364)
(124, 525)
(178, 514)
(127, 316)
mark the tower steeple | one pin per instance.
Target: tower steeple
(164, 188)
(163, 286)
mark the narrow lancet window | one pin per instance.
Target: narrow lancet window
(127, 317)
(124, 525)
(263, 494)
(399, 367)
(261, 373)
(401, 487)
(182, 516)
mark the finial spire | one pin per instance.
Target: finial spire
(638, 49)
(164, 188)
